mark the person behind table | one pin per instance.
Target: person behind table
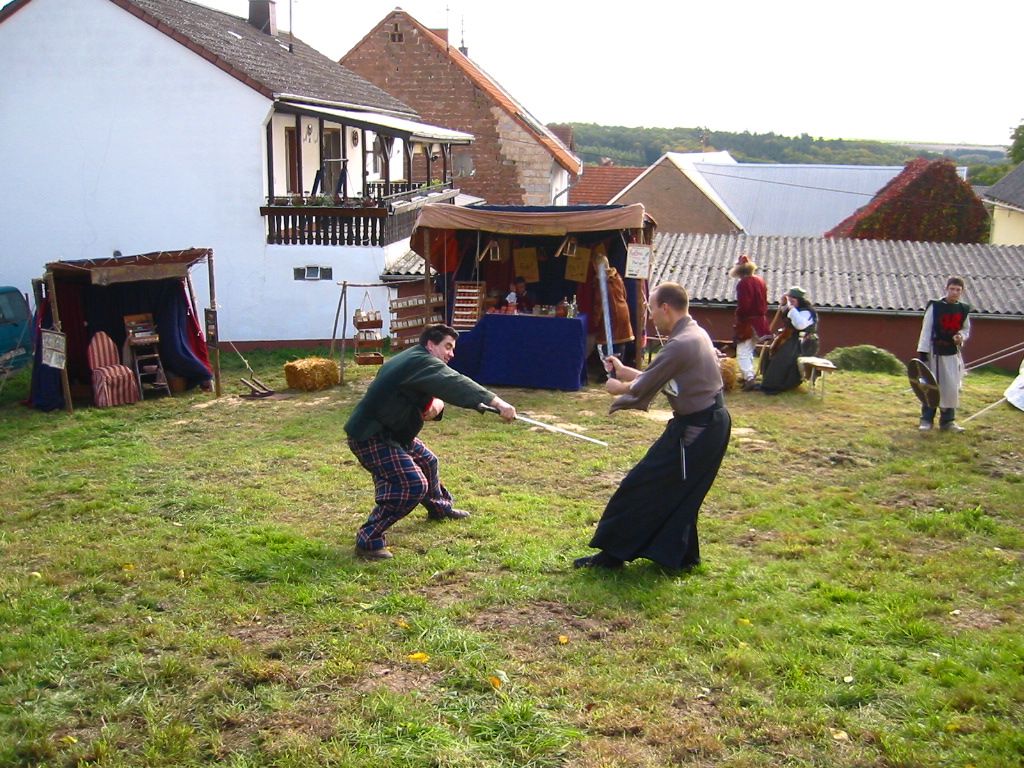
(944, 330)
(521, 296)
(653, 513)
(798, 338)
(751, 316)
(410, 388)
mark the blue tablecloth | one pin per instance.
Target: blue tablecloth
(525, 351)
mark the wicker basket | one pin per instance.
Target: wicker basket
(369, 358)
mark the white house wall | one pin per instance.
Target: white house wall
(118, 138)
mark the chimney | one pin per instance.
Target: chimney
(442, 33)
(263, 16)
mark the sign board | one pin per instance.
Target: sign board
(525, 260)
(638, 261)
(211, 327)
(55, 346)
(577, 264)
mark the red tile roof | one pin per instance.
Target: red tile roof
(600, 183)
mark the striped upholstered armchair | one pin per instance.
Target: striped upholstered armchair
(112, 383)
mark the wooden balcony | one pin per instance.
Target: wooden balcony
(330, 221)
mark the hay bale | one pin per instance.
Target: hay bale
(730, 372)
(311, 374)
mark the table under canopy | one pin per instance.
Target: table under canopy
(525, 351)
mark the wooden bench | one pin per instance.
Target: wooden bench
(813, 370)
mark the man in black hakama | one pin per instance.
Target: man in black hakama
(653, 513)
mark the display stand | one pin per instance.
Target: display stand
(369, 342)
(411, 314)
(469, 305)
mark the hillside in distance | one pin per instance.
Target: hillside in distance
(627, 146)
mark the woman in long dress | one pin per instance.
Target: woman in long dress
(799, 339)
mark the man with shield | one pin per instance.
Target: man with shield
(945, 329)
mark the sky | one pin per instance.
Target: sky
(900, 70)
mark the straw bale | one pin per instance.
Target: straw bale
(311, 374)
(730, 372)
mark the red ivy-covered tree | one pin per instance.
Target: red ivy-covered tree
(927, 202)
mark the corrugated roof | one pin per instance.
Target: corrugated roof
(794, 200)
(870, 275)
(1009, 190)
(600, 183)
(261, 61)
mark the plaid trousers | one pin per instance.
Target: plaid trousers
(401, 480)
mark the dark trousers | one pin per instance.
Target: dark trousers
(653, 513)
(946, 415)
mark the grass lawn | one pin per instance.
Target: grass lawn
(177, 588)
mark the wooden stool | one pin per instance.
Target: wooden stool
(813, 369)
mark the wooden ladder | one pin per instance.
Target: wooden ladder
(469, 305)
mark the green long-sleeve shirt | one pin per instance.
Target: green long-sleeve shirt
(392, 408)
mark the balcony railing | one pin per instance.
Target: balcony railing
(324, 220)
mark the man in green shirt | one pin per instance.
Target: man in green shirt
(410, 388)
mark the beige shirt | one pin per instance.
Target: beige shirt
(686, 369)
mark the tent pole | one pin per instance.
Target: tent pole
(337, 314)
(213, 306)
(342, 300)
(65, 385)
(426, 277)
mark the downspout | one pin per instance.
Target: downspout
(566, 190)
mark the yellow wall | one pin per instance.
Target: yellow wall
(1007, 227)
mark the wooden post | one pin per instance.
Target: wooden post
(213, 306)
(65, 385)
(342, 302)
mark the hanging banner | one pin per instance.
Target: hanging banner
(525, 260)
(54, 349)
(638, 261)
(577, 264)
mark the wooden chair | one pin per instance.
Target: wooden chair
(112, 383)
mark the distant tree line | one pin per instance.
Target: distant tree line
(643, 146)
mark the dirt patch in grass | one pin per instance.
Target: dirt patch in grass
(398, 678)
(657, 414)
(975, 618)
(546, 617)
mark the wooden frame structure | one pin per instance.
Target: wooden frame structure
(159, 265)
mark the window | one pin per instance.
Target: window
(313, 273)
(396, 34)
(332, 160)
(291, 148)
(12, 307)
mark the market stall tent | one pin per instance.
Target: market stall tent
(483, 243)
(79, 299)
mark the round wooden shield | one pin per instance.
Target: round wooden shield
(922, 381)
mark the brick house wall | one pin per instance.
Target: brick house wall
(400, 56)
(676, 203)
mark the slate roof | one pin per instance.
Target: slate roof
(600, 183)
(262, 62)
(885, 276)
(1009, 190)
